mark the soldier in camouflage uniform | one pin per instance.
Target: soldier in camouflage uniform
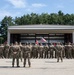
(51, 50)
(35, 51)
(15, 54)
(73, 50)
(1, 50)
(63, 50)
(40, 50)
(30, 45)
(46, 48)
(66, 50)
(10, 50)
(26, 54)
(6, 50)
(59, 52)
(69, 50)
(21, 52)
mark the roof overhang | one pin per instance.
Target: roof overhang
(42, 29)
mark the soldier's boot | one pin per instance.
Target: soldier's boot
(29, 65)
(24, 66)
(61, 60)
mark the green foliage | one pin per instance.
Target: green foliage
(7, 21)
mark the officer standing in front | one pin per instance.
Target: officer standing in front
(15, 54)
(26, 54)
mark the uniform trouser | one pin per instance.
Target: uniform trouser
(41, 54)
(46, 54)
(69, 54)
(17, 60)
(51, 54)
(27, 56)
(35, 54)
(73, 53)
(59, 55)
(1, 55)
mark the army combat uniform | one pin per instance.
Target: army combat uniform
(35, 51)
(59, 52)
(40, 51)
(6, 50)
(15, 55)
(46, 48)
(26, 54)
(1, 51)
(51, 51)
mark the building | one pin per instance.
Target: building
(31, 33)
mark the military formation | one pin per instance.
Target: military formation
(26, 51)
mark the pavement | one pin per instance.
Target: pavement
(38, 67)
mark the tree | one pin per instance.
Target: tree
(7, 21)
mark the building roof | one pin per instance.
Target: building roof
(41, 29)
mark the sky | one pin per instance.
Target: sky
(17, 8)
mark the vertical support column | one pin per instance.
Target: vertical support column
(73, 37)
(8, 37)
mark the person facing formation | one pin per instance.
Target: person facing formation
(15, 54)
(26, 54)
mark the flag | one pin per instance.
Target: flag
(43, 40)
(37, 42)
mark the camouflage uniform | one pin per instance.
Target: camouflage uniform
(35, 51)
(21, 52)
(46, 48)
(1, 50)
(10, 50)
(40, 51)
(72, 50)
(26, 54)
(6, 50)
(69, 50)
(66, 50)
(15, 54)
(31, 52)
(51, 51)
(59, 52)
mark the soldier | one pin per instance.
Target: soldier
(63, 50)
(1, 50)
(35, 51)
(51, 50)
(30, 46)
(26, 54)
(15, 54)
(69, 50)
(73, 50)
(10, 50)
(66, 48)
(46, 48)
(21, 54)
(6, 50)
(58, 48)
(40, 50)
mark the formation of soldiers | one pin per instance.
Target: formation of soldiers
(28, 50)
